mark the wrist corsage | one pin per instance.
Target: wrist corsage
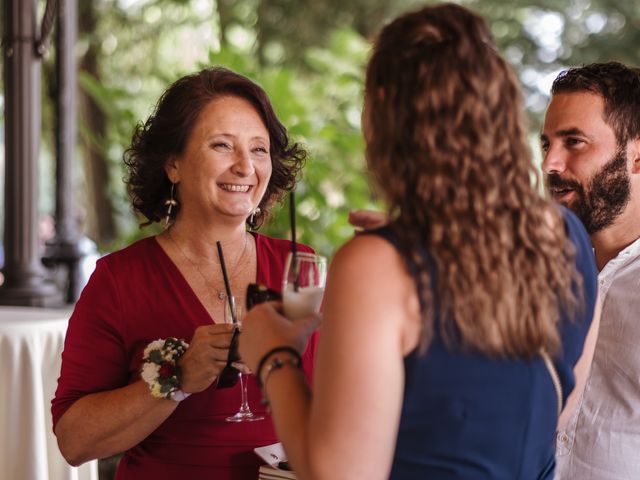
(160, 369)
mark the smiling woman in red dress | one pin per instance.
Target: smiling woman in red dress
(211, 160)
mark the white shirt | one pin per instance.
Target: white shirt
(602, 439)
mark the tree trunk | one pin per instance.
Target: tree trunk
(100, 210)
(225, 18)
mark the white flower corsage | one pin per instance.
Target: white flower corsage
(160, 369)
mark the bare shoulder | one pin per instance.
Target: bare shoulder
(367, 253)
(369, 283)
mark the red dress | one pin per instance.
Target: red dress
(138, 295)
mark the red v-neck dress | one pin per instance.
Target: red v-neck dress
(137, 295)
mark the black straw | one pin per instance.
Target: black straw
(292, 220)
(294, 245)
(227, 286)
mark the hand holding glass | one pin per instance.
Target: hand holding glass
(303, 284)
(244, 414)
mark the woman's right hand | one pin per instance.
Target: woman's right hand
(368, 219)
(206, 356)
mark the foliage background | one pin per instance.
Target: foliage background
(309, 56)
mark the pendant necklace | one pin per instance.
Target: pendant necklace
(221, 294)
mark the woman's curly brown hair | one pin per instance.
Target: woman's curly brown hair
(446, 142)
(165, 134)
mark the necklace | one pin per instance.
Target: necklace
(221, 294)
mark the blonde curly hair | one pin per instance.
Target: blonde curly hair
(446, 143)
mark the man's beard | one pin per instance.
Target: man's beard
(605, 197)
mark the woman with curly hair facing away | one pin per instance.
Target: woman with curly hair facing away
(445, 333)
(210, 161)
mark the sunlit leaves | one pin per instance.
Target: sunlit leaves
(308, 58)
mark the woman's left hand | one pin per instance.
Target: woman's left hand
(264, 328)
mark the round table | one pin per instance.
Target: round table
(31, 343)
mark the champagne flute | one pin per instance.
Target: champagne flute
(305, 275)
(244, 413)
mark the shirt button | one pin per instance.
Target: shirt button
(563, 437)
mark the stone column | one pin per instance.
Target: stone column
(67, 248)
(24, 282)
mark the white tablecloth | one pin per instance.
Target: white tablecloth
(31, 342)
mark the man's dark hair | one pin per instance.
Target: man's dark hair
(617, 84)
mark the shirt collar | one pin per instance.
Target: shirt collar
(625, 256)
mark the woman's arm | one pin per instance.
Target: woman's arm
(106, 423)
(371, 320)
(103, 424)
(582, 367)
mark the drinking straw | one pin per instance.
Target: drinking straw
(294, 246)
(227, 286)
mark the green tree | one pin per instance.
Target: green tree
(309, 56)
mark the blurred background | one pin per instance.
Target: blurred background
(309, 56)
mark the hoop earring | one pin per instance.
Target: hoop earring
(172, 202)
(252, 221)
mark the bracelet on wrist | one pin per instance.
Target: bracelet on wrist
(266, 356)
(276, 364)
(160, 368)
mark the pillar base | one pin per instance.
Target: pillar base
(35, 292)
(70, 253)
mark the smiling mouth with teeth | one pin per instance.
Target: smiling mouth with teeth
(234, 188)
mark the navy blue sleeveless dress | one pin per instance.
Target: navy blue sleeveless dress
(465, 416)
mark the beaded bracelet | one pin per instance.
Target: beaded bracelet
(265, 357)
(276, 364)
(160, 369)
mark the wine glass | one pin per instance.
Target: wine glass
(244, 413)
(305, 275)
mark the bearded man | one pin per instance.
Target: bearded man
(591, 146)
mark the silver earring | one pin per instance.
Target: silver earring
(252, 221)
(172, 202)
